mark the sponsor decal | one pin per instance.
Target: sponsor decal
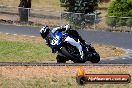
(83, 78)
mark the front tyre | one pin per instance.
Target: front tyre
(61, 59)
(95, 58)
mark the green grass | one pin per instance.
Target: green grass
(36, 4)
(24, 52)
(53, 83)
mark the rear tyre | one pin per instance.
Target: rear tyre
(95, 58)
(61, 59)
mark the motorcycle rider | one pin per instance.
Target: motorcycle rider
(45, 33)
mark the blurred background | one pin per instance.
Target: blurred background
(51, 12)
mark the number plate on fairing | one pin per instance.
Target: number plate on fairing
(55, 41)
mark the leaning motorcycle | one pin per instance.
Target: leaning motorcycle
(66, 51)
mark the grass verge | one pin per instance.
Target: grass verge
(56, 77)
(54, 83)
(27, 52)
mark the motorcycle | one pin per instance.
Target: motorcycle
(66, 51)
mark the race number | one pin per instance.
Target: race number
(55, 40)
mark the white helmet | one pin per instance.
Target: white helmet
(44, 31)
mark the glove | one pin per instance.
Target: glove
(67, 26)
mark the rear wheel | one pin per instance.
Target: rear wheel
(95, 58)
(61, 59)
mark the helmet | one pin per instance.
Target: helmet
(44, 31)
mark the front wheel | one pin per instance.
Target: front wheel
(61, 59)
(95, 58)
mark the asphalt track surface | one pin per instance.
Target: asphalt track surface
(118, 39)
